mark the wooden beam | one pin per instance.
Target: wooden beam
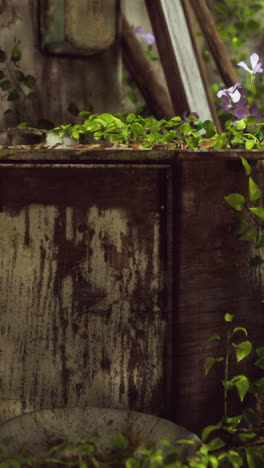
(140, 67)
(178, 58)
(189, 15)
(214, 41)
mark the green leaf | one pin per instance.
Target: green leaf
(229, 317)
(241, 124)
(235, 459)
(13, 95)
(236, 200)
(260, 352)
(211, 338)
(19, 75)
(259, 384)
(215, 444)
(258, 211)
(16, 54)
(247, 436)
(255, 456)
(254, 190)
(249, 235)
(209, 429)
(242, 350)
(2, 56)
(260, 363)
(242, 329)
(33, 97)
(209, 362)
(29, 81)
(246, 166)
(241, 383)
(251, 417)
(242, 227)
(119, 442)
(22, 125)
(6, 84)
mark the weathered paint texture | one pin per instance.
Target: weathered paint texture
(82, 286)
(60, 80)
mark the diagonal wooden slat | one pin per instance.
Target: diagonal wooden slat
(140, 67)
(214, 41)
(178, 57)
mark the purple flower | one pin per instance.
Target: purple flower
(148, 37)
(187, 113)
(231, 93)
(255, 112)
(256, 65)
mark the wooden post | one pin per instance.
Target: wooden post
(214, 42)
(178, 58)
(140, 67)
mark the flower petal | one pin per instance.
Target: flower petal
(241, 112)
(235, 96)
(258, 68)
(244, 65)
(254, 58)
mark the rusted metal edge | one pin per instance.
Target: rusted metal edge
(121, 156)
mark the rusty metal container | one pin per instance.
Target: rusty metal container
(116, 265)
(83, 27)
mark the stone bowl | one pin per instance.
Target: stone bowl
(39, 430)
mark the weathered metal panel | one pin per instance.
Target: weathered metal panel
(82, 27)
(82, 284)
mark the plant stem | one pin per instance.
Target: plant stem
(226, 374)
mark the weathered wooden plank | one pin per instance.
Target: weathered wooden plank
(74, 157)
(82, 284)
(178, 57)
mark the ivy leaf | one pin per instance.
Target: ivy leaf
(242, 227)
(246, 437)
(19, 75)
(29, 81)
(242, 350)
(209, 429)
(250, 416)
(242, 329)
(254, 190)
(2, 56)
(211, 338)
(13, 95)
(246, 166)
(236, 200)
(215, 444)
(6, 84)
(260, 363)
(260, 352)
(33, 97)
(235, 459)
(259, 212)
(209, 362)
(16, 54)
(229, 317)
(249, 235)
(241, 383)
(259, 384)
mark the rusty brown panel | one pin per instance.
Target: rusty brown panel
(82, 288)
(212, 276)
